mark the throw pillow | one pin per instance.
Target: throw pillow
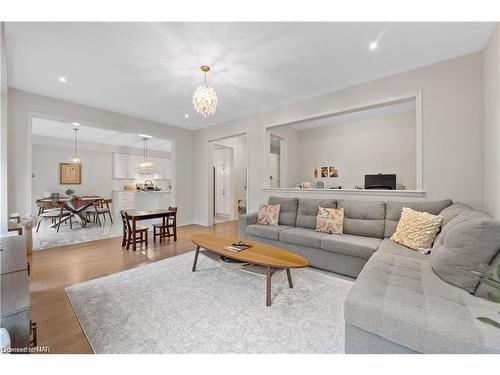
(330, 220)
(417, 230)
(269, 214)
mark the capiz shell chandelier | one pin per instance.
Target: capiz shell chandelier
(204, 97)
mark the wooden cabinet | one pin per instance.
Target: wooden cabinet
(15, 297)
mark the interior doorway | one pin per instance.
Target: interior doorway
(277, 160)
(229, 178)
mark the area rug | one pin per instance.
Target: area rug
(163, 307)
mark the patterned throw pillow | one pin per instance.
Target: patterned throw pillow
(417, 230)
(269, 214)
(330, 220)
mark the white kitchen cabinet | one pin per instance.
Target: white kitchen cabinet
(126, 166)
(163, 168)
(121, 165)
(123, 200)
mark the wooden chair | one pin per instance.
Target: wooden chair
(99, 209)
(56, 216)
(140, 236)
(163, 231)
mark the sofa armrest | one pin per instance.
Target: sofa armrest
(245, 220)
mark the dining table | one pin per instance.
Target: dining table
(75, 205)
(163, 214)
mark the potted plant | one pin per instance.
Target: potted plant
(492, 278)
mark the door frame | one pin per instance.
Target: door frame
(209, 166)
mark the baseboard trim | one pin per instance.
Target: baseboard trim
(184, 223)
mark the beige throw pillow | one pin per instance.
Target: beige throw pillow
(417, 230)
(269, 214)
(330, 220)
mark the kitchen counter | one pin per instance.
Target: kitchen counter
(141, 200)
(141, 191)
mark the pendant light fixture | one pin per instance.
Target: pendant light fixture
(75, 159)
(204, 97)
(146, 167)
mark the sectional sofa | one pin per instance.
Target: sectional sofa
(402, 301)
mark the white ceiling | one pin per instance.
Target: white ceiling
(64, 130)
(383, 110)
(151, 69)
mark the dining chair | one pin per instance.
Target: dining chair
(140, 235)
(163, 231)
(101, 207)
(56, 216)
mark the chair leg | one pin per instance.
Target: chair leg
(59, 224)
(110, 217)
(146, 234)
(123, 238)
(129, 239)
(70, 223)
(38, 225)
(98, 220)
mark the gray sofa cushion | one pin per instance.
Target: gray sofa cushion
(288, 209)
(402, 300)
(308, 210)
(358, 246)
(363, 218)
(302, 237)
(393, 211)
(468, 240)
(390, 247)
(452, 211)
(271, 232)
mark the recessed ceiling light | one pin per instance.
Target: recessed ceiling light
(186, 115)
(75, 123)
(373, 46)
(144, 136)
(62, 79)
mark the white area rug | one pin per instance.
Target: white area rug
(163, 307)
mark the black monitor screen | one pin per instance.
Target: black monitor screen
(380, 181)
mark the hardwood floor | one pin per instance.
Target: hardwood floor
(55, 269)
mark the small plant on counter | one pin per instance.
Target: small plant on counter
(491, 278)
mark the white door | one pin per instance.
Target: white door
(274, 170)
(222, 163)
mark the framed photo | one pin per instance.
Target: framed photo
(70, 174)
(316, 173)
(324, 172)
(333, 172)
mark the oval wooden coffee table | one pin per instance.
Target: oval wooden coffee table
(259, 254)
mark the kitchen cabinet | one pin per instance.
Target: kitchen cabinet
(163, 168)
(125, 166)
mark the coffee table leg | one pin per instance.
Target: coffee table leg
(195, 258)
(268, 287)
(289, 275)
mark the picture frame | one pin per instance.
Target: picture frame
(324, 172)
(333, 172)
(70, 174)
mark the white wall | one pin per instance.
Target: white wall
(491, 172)
(23, 105)
(3, 132)
(452, 131)
(382, 144)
